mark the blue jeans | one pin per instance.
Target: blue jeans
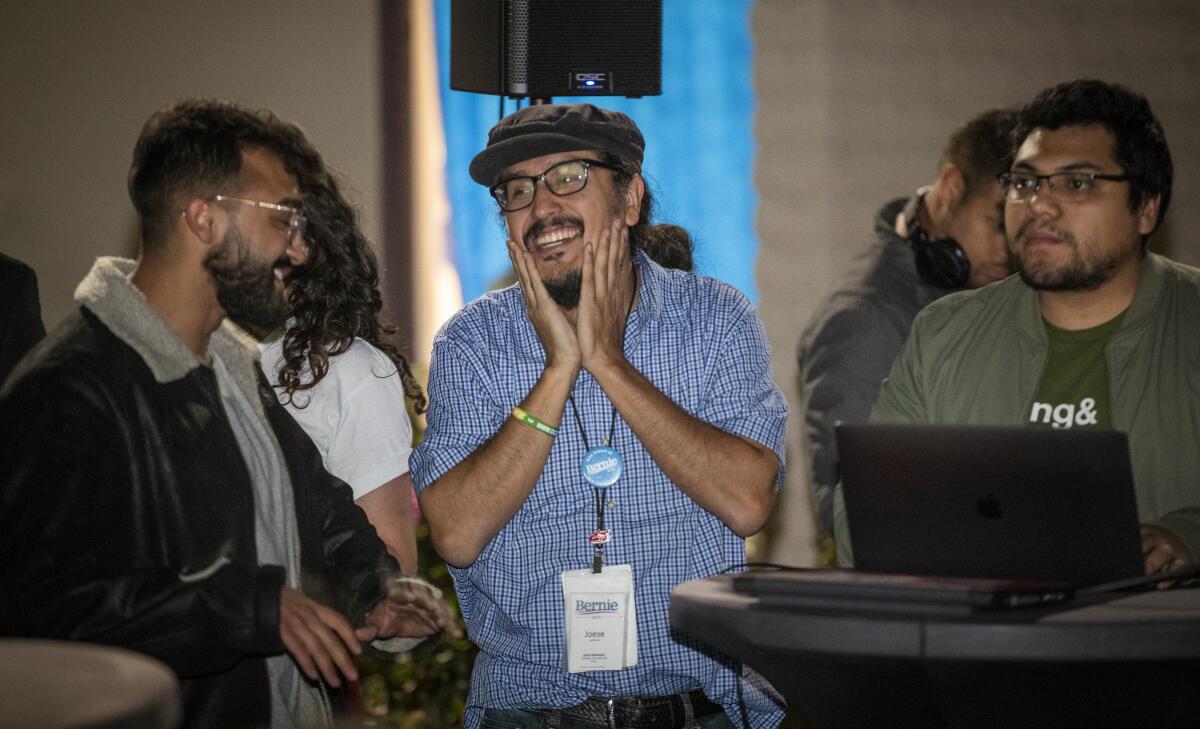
(525, 719)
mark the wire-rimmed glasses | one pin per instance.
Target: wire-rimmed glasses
(297, 222)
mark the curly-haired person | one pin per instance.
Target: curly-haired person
(336, 371)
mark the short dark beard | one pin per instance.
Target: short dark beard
(1075, 278)
(245, 290)
(1079, 274)
(565, 290)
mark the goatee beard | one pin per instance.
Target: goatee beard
(565, 290)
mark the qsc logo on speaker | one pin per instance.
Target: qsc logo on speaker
(591, 81)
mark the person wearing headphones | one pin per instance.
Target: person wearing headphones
(944, 237)
(1094, 330)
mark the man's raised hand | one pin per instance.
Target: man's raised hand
(605, 298)
(548, 320)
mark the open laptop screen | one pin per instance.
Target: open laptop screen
(982, 501)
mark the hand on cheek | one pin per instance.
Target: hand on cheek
(549, 322)
(605, 297)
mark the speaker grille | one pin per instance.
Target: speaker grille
(516, 33)
(543, 47)
(620, 37)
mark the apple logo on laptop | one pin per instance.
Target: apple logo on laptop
(989, 506)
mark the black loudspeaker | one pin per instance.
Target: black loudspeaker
(546, 48)
(941, 262)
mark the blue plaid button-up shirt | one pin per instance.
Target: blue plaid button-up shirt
(701, 343)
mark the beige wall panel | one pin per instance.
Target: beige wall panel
(79, 78)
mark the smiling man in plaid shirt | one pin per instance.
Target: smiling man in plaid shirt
(600, 364)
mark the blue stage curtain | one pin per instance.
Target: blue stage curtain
(699, 145)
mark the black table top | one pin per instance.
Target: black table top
(1159, 625)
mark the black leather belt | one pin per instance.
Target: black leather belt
(677, 711)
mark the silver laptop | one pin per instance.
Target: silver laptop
(991, 502)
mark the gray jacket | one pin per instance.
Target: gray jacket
(849, 344)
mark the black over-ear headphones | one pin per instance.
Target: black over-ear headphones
(941, 262)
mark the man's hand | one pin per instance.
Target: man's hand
(317, 637)
(412, 609)
(605, 297)
(549, 321)
(1163, 552)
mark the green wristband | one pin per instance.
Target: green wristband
(534, 423)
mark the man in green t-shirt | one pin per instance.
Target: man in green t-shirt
(1095, 332)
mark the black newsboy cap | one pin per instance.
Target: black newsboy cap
(550, 128)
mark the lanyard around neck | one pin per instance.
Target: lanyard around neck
(598, 554)
(609, 460)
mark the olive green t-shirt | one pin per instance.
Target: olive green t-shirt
(1073, 390)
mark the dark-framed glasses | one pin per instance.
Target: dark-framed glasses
(1068, 186)
(564, 178)
(294, 225)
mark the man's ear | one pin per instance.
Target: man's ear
(1147, 215)
(198, 216)
(633, 200)
(951, 187)
(302, 252)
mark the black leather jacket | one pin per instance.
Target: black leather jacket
(127, 518)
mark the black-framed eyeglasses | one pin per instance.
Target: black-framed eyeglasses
(296, 222)
(1069, 186)
(564, 178)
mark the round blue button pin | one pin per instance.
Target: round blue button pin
(601, 466)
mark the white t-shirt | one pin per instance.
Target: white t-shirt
(355, 414)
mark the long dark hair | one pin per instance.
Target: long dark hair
(668, 245)
(335, 297)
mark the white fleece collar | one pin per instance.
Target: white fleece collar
(107, 292)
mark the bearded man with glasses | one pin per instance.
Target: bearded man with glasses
(155, 494)
(1095, 331)
(605, 422)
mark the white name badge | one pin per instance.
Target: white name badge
(601, 623)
